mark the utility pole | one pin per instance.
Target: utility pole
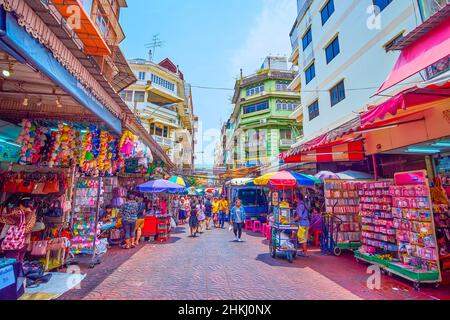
(155, 43)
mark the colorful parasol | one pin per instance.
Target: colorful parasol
(324, 175)
(179, 180)
(285, 180)
(160, 186)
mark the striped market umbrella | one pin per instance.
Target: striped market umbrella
(285, 180)
(179, 180)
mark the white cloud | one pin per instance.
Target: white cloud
(268, 35)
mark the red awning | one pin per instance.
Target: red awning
(419, 55)
(407, 99)
(343, 151)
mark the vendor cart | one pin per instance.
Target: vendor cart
(283, 241)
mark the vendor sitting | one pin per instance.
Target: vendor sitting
(107, 215)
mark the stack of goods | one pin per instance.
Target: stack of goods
(163, 228)
(413, 219)
(342, 201)
(442, 219)
(109, 184)
(377, 222)
(85, 227)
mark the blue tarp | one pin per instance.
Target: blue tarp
(16, 41)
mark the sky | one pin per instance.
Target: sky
(211, 40)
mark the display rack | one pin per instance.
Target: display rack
(87, 201)
(342, 213)
(378, 232)
(163, 228)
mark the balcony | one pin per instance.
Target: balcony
(286, 143)
(164, 142)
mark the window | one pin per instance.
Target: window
(254, 90)
(152, 128)
(141, 76)
(307, 39)
(102, 23)
(285, 134)
(127, 95)
(283, 105)
(159, 131)
(332, 50)
(139, 96)
(163, 83)
(381, 3)
(282, 85)
(166, 132)
(313, 110)
(310, 73)
(256, 107)
(337, 93)
(327, 11)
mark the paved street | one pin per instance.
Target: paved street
(214, 267)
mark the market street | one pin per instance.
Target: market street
(214, 267)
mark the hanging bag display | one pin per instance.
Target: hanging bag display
(51, 186)
(11, 185)
(15, 236)
(56, 244)
(26, 187)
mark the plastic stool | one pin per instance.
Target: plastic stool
(269, 233)
(257, 227)
(264, 229)
(248, 224)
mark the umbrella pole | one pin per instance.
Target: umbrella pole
(375, 169)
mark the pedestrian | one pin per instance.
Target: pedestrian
(223, 211)
(208, 213)
(182, 211)
(201, 216)
(237, 218)
(193, 220)
(129, 212)
(18, 227)
(140, 222)
(302, 217)
(176, 209)
(215, 211)
(163, 206)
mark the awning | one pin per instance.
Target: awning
(94, 43)
(420, 54)
(409, 98)
(345, 150)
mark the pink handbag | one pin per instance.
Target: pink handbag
(39, 248)
(15, 236)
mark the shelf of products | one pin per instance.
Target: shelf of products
(163, 228)
(378, 233)
(342, 202)
(87, 201)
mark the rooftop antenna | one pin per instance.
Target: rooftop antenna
(155, 43)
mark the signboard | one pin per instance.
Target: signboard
(7, 277)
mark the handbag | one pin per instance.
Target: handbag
(56, 244)
(39, 248)
(26, 187)
(39, 226)
(51, 186)
(55, 210)
(15, 236)
(10, 186)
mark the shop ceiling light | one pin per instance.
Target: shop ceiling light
(58, 102)
(444, 144)
(25, 102)
(10, 143)
(7, 73)
(423, 150)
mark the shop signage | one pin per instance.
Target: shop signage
(7, 277)
(133, 165)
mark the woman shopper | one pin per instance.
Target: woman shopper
(19, 224)
(182, 211)
(208, 212)
(193, 219)
(237, 218)
(129, 212)
(140, 222)
(201, 216)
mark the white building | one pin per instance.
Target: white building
(340, 48)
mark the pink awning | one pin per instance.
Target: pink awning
(430, 48)
(407, 99)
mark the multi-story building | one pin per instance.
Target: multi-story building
(163, 101)
(260, 127)
(340, 49)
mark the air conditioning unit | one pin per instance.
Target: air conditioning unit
(242, 99)
(263, 121)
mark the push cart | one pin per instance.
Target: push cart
(283, 241)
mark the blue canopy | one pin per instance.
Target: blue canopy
(160, 186)
(304, 180)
